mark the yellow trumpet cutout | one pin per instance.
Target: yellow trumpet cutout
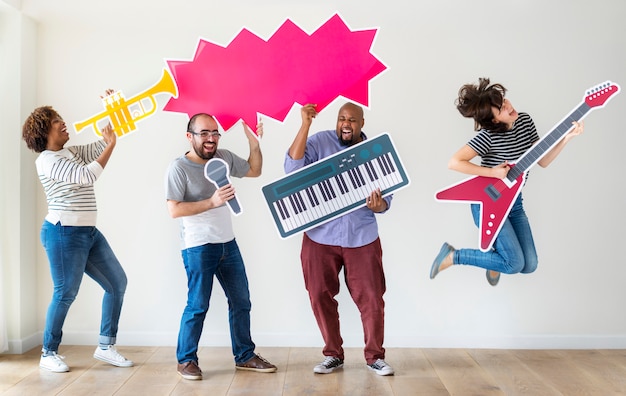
(122, 114)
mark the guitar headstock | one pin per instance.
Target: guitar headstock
(600, 94)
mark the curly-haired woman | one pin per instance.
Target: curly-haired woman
(69, 235)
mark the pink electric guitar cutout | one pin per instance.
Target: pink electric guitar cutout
(496, 196)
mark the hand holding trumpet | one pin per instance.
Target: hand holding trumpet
(108, 133)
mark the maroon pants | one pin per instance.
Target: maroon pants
(365, 279)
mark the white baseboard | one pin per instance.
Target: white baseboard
(350, 341)
(25, 344)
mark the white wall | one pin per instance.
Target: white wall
(546, 53)
(18, 197)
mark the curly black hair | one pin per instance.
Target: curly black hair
(37, 126)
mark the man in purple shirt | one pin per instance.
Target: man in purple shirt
(350, 242)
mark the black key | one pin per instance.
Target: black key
(317, 202)
(279, 203)
(369, 173)
(331, 189)
(293, 205)
(299, 196)
(360, 174)
(383, 166)
(371, 166)
(339, 184)
(308, 194)
(343, 183)
(323, 192)
(390, 162)
(352, 179)
(326, 190)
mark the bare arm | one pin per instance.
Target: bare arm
(297, 148)
(556, 150)
(461, 162)
(180, 208)
(110, 138)
(255, 158)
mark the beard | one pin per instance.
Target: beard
(202, 154)
(344, 142)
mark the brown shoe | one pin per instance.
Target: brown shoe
(190, 370)
(258, 364)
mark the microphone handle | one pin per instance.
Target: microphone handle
(233, 203)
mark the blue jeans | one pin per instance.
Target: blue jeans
(513, 250)
(224, 261)
(74, 251)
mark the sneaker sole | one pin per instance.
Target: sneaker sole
(379, 372)
(55, 370)
(112, 362)
(327, 371)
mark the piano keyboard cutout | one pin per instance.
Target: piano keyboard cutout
(335, 185)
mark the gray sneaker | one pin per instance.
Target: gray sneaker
(380, 367)
(329, 365)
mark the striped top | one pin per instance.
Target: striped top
(67, 177)
(496, 147)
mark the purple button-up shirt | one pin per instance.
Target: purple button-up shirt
(354, 229)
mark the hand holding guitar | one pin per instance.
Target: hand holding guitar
(500, 171)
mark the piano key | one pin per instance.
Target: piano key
(329, 189)
(338, 183)
(360, 174)
(301, 201)
(278, 204)
(340, 198)
(312, 201)
(294, 207)
(386, 157)
(323, 191)
(396, 176)
(317, 210)
(384, 178)
(343, 182)
(369, 172)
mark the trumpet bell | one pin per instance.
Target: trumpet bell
(123, 114)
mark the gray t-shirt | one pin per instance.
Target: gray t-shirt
(185, 182)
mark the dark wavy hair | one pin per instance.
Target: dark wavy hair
(37, 126)
(476, 101)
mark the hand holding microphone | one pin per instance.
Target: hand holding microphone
(216, 171)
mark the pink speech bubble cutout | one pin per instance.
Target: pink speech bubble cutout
(253, 76)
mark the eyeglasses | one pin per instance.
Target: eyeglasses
(205, 134)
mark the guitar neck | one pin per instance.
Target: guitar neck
(535, 153)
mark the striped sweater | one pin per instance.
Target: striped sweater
(496, 147)
(67, 177)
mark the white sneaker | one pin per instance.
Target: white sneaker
(112, 356)
(54, 363)
(380, 367)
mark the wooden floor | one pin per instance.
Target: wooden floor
(418, 372)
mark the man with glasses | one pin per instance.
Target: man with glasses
(209, 246)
